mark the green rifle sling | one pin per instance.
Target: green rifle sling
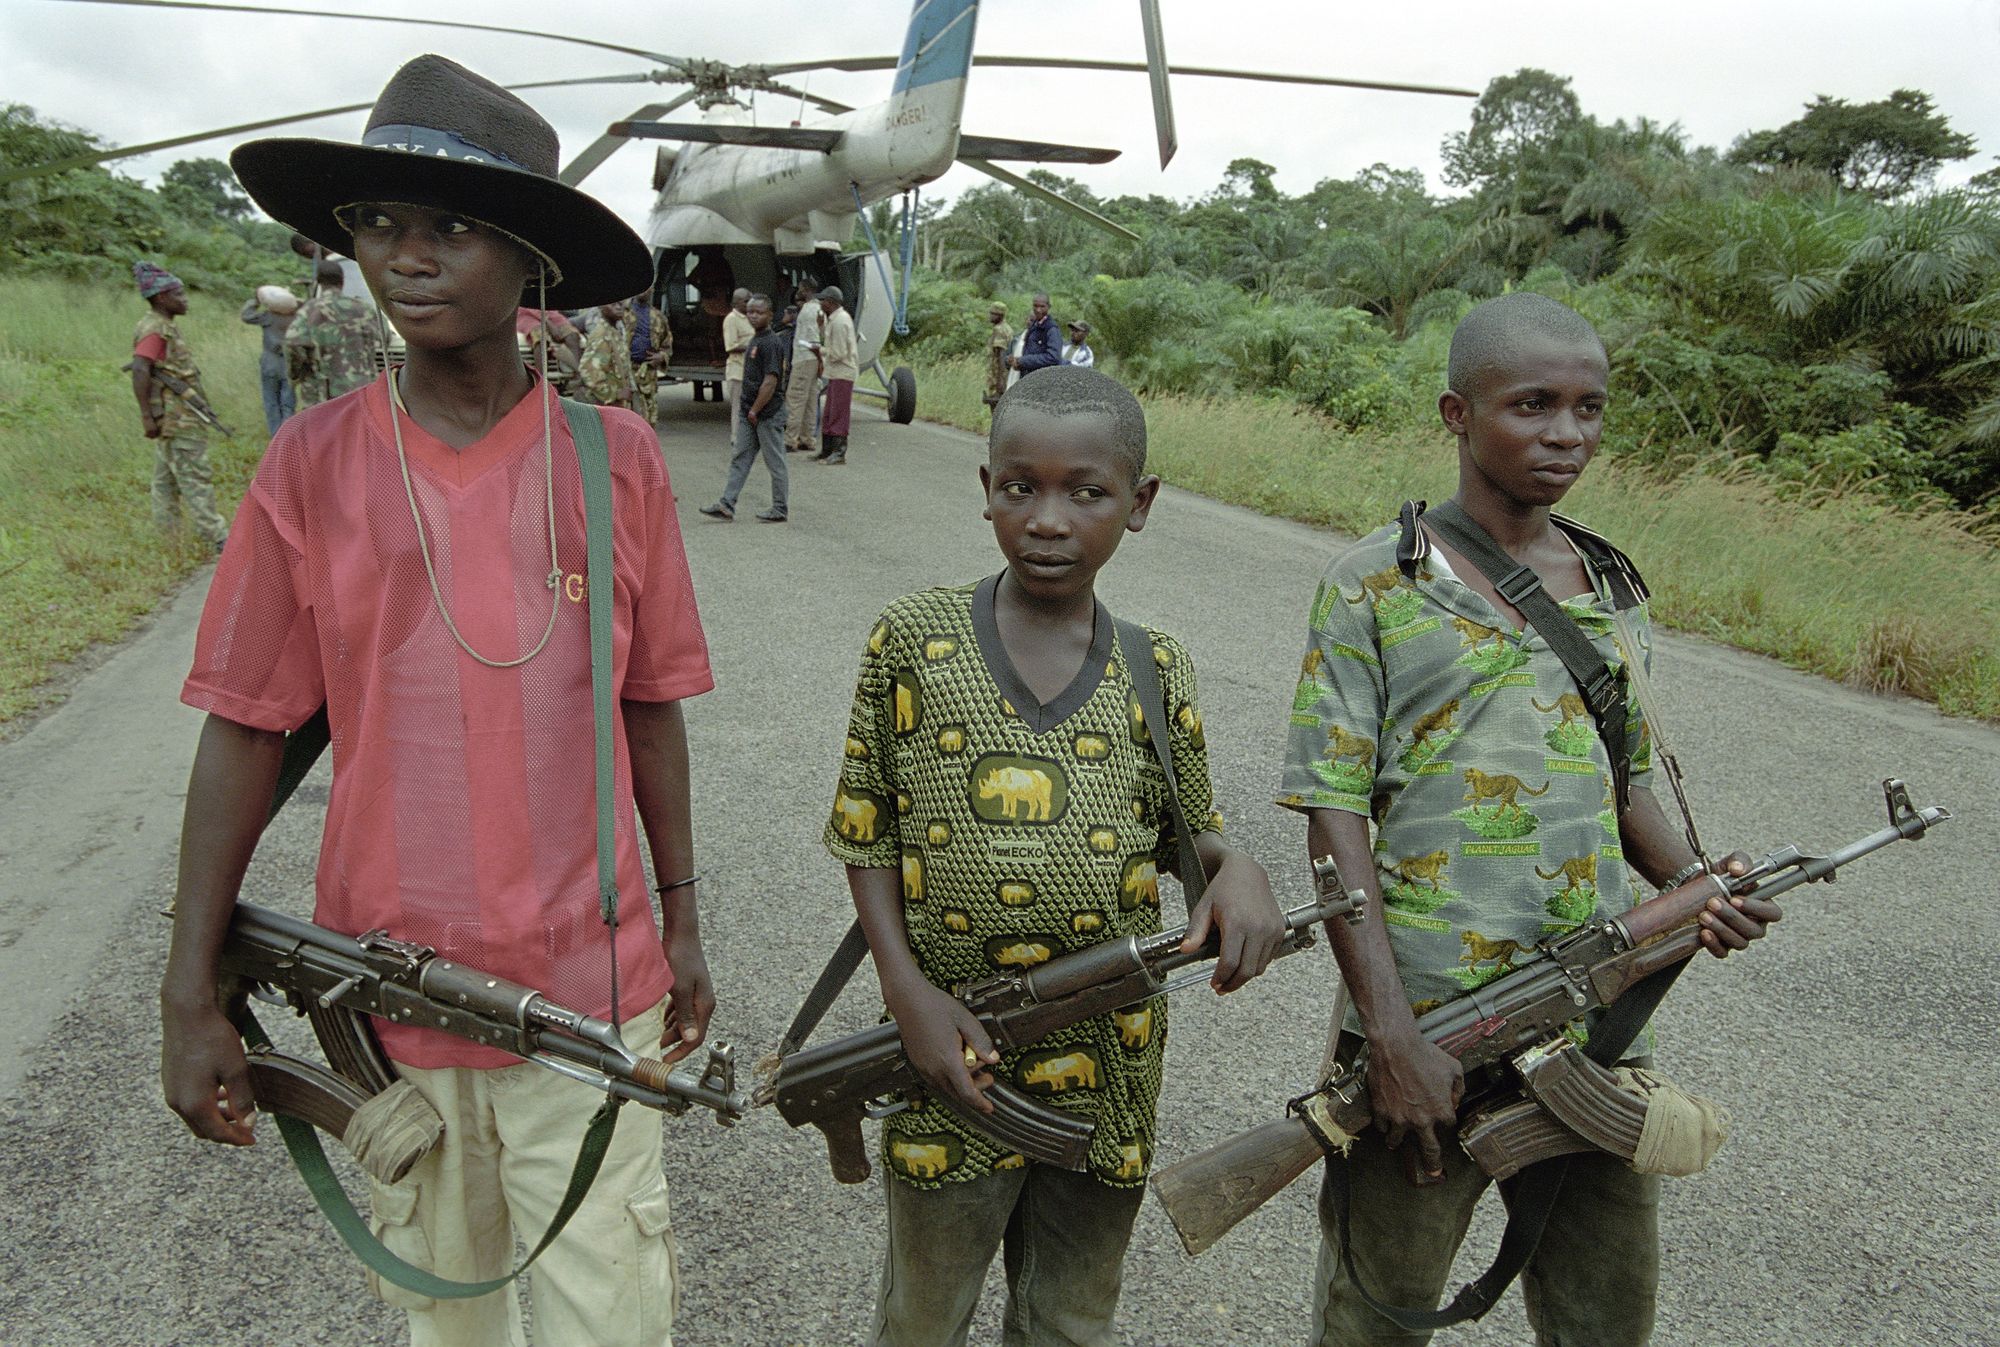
(303, 747)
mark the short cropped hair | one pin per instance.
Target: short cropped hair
(765, 300)
(1487, 336)
(1074, 390)
(328, 272)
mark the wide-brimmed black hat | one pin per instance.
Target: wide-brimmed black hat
(442, 136)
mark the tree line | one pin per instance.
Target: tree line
(91, 224)
(1807, 300)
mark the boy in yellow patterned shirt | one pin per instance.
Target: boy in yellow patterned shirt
(1000, 804)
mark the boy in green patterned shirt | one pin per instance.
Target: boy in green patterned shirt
(1428, 704)
(1000, 804)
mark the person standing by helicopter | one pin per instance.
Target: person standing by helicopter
(997, 344)
(841, 351)
(331, 346)
(802, 387)
(652, 350)
(760, 426)
(272, 308)
(1041, 344)
(606, 370)
(737, 334)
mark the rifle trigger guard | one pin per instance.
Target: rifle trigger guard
(878, 1109)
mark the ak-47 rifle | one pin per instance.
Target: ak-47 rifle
(1567, 1102)
(187, 393)
(835, 1085)
(338, 981)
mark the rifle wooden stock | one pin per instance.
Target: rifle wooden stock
(1208, 1193)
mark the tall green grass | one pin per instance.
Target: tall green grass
(80, 561)
(1832, 582)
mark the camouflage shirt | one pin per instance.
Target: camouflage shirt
(170, 408)
(1469, 745)
(1021, 832)
(606, 369)
(331, 347)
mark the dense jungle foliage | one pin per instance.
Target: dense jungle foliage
(91, 224)
(1804, 302)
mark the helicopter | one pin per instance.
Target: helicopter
(762, 207)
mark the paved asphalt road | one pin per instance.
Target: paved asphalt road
(1854, 1204)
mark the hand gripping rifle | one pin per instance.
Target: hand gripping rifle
(1568, 1102)
(833, 1086)
(338, 981)
(188, 394)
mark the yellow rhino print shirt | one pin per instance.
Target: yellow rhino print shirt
(1022, 832)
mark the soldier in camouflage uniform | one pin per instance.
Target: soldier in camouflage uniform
(998, 342)
(652, 351)
(332, 344)
(606, 369)
(160, 358)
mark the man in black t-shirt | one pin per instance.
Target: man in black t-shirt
(760, 427)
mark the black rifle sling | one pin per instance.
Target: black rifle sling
(303, 747)
(846, 958)
(1145, 673)
(1138, 648)
(1603, 691)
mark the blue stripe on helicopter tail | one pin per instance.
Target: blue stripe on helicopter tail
(939, 44)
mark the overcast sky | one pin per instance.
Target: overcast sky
(133, 75)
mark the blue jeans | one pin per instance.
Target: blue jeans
(768, 437)
(278, 402)
(1062, 1237)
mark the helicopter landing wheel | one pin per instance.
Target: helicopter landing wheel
(902, 396)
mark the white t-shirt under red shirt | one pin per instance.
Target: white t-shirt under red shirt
(462, 814)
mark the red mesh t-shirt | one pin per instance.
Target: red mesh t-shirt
(462, 814)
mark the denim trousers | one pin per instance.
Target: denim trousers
(767, 437)
(1591, 1282)
(278, 402)
(1062, 1237)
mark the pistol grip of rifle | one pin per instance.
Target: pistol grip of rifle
(845, 1151)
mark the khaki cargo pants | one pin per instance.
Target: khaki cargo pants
(181, 485)
(510, 1136)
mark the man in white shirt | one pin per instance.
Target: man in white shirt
(802, 390)
(840, 348)
(737, 334)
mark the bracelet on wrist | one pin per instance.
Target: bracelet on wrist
(665, 889)
(1697, 866)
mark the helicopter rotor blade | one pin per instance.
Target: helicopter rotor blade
(865, 63)
(8, 175)
(606, 145)
(1156, 72)
(1032, 151)
(674, 61)
(1035, 189)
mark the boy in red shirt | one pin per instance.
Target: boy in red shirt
(412, 556)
